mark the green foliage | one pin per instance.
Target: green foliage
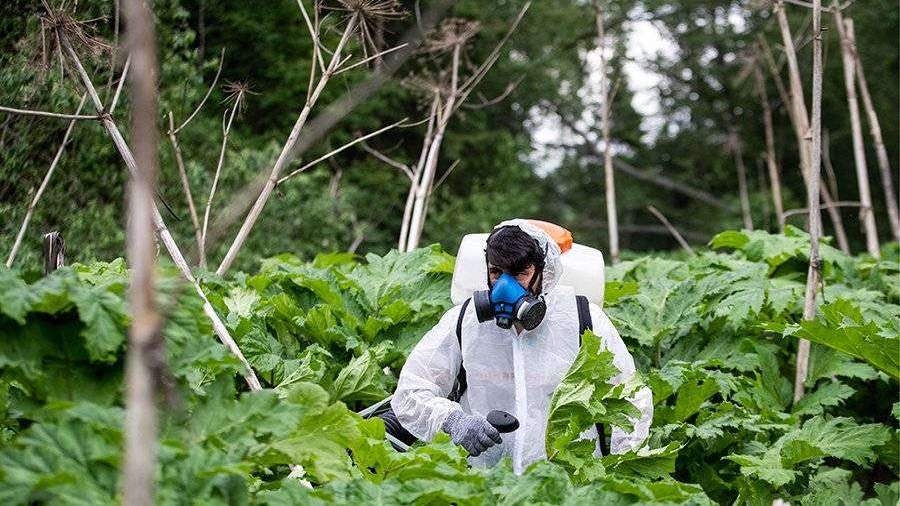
(329, 336)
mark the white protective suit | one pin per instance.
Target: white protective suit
(510, 372)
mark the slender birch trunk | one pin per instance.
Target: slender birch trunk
(771, 161)
(40, 191)
(812, 277)
(867, 215)
(144, 337)
(284, 158)
(800, 118)
(164, 234)
(609, 176)
(737, 152)
(884, 164)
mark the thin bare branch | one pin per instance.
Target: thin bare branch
(212, 191)
(499, 98)
(122, 79)
(469, 84)
(43, 186)
(30, 112)
(805, 210)
(672, 230)
(342, 148)
(370, 58)
(185, 184)
(212, 86)
(444, 176)
(388, 160)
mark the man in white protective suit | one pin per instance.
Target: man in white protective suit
(514, 341)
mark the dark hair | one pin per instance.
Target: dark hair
(513, 250)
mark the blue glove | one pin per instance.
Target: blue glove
(472, 432)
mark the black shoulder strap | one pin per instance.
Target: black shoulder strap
(460, 386)
(585, 323)
(584, 316)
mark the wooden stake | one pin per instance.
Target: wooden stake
(867, 216)
(812, 191)
(609, 176)
(145, 342)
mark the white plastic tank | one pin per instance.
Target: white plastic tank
(582, 266)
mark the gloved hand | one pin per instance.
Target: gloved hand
(472, 432)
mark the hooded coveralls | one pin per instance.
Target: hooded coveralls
(511, 372)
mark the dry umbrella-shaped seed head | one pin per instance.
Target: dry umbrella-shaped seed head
(452, 32)
(236, 94)
(370, 15)
(59, 22)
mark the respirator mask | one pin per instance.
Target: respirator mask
(507, 302)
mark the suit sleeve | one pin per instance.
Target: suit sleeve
(622, 441)
(420, 400)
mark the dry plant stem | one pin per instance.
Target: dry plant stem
(812, 191)
(164, 234)
(826, 163)
(206, 96)
(423, 185)
(804, 210)
(342, 148)
(284, 158)
(672, 230)
(771, 161)
(43, 187)
(609, 176)
(417, 174)
(884, 164)
(800, 120)
(122, 79)
(142, 365)
(215, 183)
(735, 145)
(45, 114)
(186, 187)
(867, 215)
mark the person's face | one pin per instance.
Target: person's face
(524, 278)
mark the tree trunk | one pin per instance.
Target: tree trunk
(144, 337)
(609, 176)
(867, 216)
(812, 191)
(771, 161)
(884, 164)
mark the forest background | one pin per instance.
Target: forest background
(672, 114)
